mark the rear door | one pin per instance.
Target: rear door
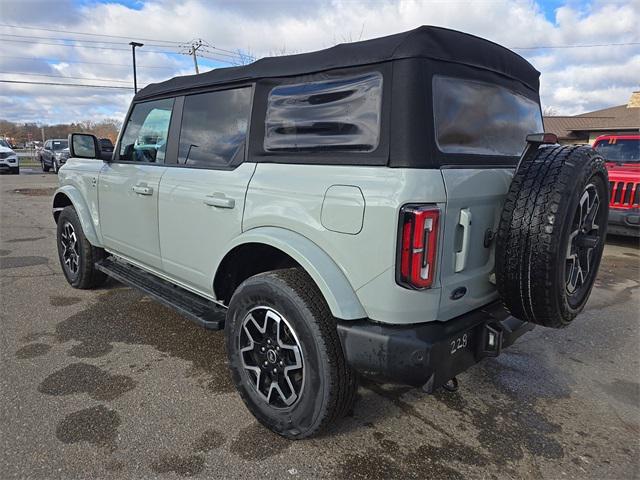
(202, 194)
(476, 121)
(128, 187)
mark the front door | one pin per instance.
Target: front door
(202, 198)
(128, 186)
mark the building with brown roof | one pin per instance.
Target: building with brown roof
(584, 128)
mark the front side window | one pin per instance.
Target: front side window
(473, 117)
(341, 114)
(214, 128)
(145, 136)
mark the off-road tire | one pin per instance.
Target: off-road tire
(329, 384)
(15, 170)
(45, 168)
(87, 276)
(534, 238)
(56, 168)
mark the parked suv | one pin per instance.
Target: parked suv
(52, 155)
(622, 153)
(382, 208)
(9, 160)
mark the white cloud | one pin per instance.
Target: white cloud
(573, 80)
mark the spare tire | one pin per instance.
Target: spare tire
(551, 234)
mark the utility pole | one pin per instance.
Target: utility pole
(192, 51)
(133, 51)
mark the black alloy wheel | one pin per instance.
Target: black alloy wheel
(584, 239)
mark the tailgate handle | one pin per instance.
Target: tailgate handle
(465, 223)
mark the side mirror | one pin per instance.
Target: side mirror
(83, 145)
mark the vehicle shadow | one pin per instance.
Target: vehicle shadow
(623, 241)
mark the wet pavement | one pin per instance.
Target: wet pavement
(110, 384)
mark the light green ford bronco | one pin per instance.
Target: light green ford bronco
(386, 208)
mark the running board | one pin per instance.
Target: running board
(205, 313)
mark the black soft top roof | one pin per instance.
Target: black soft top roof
(423, 42)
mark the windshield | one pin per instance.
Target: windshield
(478, 118)
(59, 144)
(4, 143)
(619, 150)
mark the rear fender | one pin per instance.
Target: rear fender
(331, 281)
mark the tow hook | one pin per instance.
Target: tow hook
(451, 385)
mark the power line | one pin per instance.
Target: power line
(181, 44)
(222, 60)
(28, 37)
(57, 60)
(208, 44)
(577, 46)
(87, 46)
(219, 51)
(87, 33)
(147, 51)
(63, 76)
(65, 84)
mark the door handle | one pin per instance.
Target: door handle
(465, 223)
(142, 190)
(219, 200)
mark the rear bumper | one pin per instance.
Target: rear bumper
(429, 354)
(624, 221)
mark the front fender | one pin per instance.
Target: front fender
(332, 282)
(82, 209)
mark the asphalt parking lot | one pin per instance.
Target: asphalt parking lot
(110, 384)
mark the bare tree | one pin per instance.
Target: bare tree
(549, 112)
(21, 132)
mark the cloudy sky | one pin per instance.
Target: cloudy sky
(588, 51)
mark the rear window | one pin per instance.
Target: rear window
(619, 150)
(334, 115)
(59, 144)
(473, 117)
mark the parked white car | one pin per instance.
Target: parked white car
(9, 160)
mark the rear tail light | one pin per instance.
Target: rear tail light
(417, 246)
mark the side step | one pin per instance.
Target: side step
(205, 313)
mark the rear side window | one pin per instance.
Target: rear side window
(334, 115)
(214, 128)
(145, 136)
(473, 117)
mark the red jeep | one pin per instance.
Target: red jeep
(622, 153)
